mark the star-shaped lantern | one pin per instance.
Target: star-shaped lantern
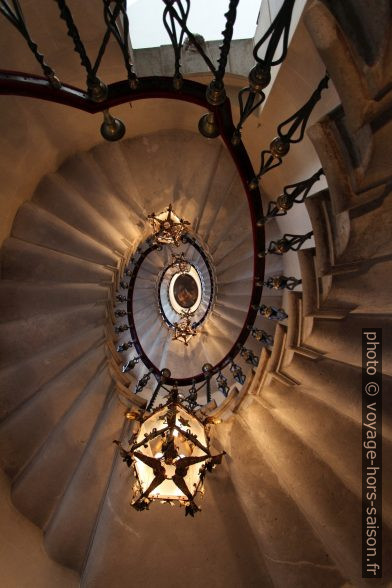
(170, 456)
(168, 228)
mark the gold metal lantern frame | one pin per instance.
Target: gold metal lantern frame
(170, 456)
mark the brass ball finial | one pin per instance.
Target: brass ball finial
(208, 127)
(112, 129)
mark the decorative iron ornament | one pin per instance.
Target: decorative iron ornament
(163, 377)
(130, 365)
(176, 38)
(170, 456)
(122, 38)
(120, 313)
(207, 371)
(262, 337)
(272, 313)
(98, 91)
(181, 263)
(296, 123)
(193, 39)
(237, 372)
(260, 75)
(167, 226)
(15, 16)
(222, 384)
(121, 298)
(288, 242)
(125, 346)
(121, 328)
(249, 357)
(191, 399)
(184, 329)
(282, 282)
(142, 383)
(292, 194)
(277, 32)
(124, 285)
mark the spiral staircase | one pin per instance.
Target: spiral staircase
(285, 509)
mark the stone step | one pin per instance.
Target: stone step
(290, 546)
(69, 544)
(26, 262)
(19, 338)
(312, 485)
(86, 177)
(21, 380)
(28, 299)
(342, 339)
(38, 489)
(56, 196)
(39, 414)
(35, 225)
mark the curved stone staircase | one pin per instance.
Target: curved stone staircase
(286, 510)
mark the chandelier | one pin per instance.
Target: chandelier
(170, 456)
(168, 228)
(184, 329)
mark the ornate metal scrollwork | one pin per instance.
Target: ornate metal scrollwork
(260, 74)
(288, 242)
(280, 146)
(282, 282)
(292, 194)
(15, 16)
(176, 37)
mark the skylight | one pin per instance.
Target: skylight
(206, 18)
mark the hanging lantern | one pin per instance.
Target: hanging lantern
(168, 228)
(170, 456)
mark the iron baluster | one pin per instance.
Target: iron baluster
(191, 399)
(131, 363)
(252, 102)
(176, 39)
(237, 372)
(280, 146)
(142, 383)
(121, 328)
(260, 74)
(292, 194)
(207, 371)
(227, 36)
(249, 357)
(98, 91)
(282, 282)
(262, 337)
(15, 17)
(272, 313)
(221, 380)
(192, 38)
(121, 298)
(279, 29)
(110, 17)
(288, 242)
(125, 346)
(162, 378)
